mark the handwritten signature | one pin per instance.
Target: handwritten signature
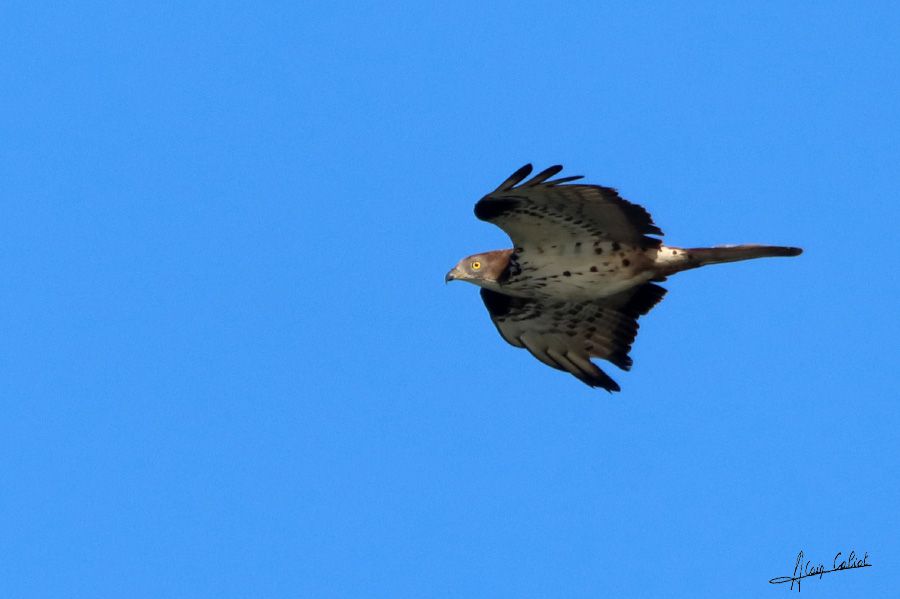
(805, 569)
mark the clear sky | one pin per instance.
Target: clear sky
(230, 367)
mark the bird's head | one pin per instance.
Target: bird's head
(484, 270)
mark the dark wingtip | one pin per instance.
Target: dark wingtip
(643, 300)
(600, 379)
(621, 359)
(544, 175)
(564, 180)
(611, 386)
(791, 251)
(490, 208)
(515, 178)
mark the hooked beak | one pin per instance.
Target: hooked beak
(452, 275)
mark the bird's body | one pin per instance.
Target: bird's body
(582, 271)
(577, 272)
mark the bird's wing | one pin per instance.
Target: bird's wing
(543, 211)
(566, 335)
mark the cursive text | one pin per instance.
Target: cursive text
(806, 569)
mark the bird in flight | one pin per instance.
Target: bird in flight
(583, 270)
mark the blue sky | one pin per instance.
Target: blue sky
(229, 365)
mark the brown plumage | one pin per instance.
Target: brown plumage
(582, 270)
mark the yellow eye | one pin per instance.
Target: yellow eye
(476, 265)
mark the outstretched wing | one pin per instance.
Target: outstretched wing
(544, 211)
(566, 335)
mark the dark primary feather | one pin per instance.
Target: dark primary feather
(641, 300)
(495, 208)
(515, 178)
(566, 335)
(565, 180)
(543, 176)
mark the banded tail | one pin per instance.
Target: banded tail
(670, 260)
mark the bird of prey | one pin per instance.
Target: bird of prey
(583, 270)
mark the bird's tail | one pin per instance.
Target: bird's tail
(671, 260)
